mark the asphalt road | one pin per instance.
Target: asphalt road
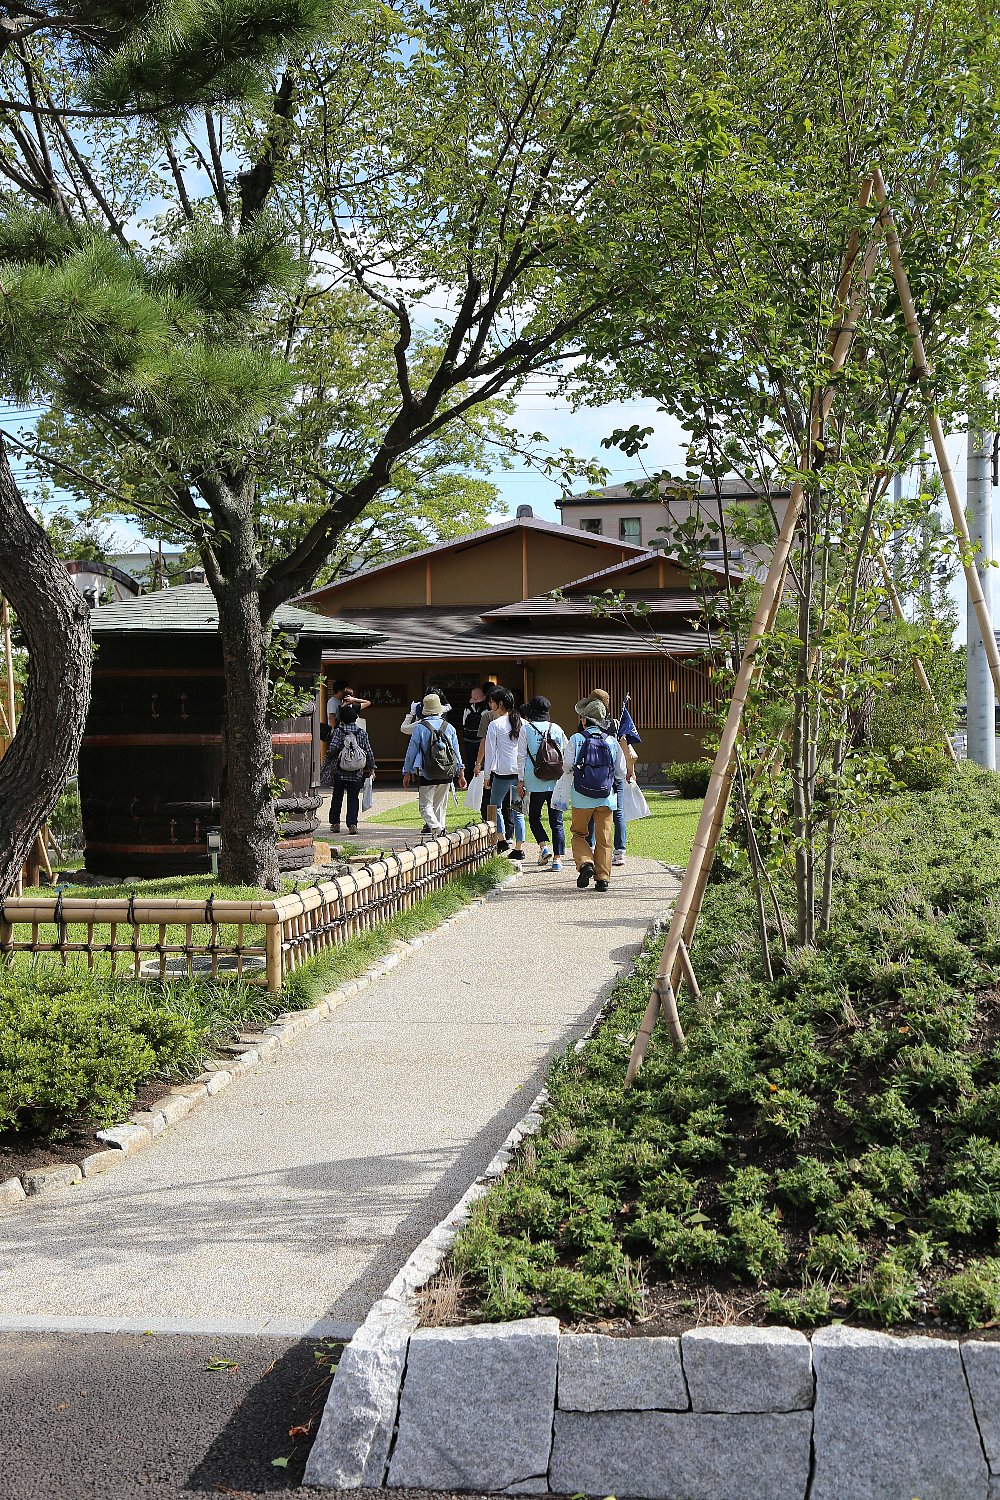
(85, 1416)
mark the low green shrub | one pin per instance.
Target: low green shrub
(973, 1296)
(690, 777)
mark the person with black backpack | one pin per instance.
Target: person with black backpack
(539, 766)
(349, 762)
(595, 758)
(433, 757)
(500, 766)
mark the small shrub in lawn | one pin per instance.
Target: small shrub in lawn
(676, 1246)
(973, 1296)
(756, 1248)
(747, 1187)
(787, 1112)
(810, 1184)
(958, 1213)
(889, 1172)
(690, 777)
(976, 1166)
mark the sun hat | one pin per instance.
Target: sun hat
(536, 708)
(593, 709)
(432, 706)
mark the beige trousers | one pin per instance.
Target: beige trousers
(603, 836)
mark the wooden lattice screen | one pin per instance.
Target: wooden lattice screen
(665, 693)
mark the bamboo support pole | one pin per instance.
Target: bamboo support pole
(918, 666)
(923, 371)
(687, 908)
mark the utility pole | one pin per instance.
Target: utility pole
(978, 681)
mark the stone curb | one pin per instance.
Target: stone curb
(238, 1058)
(351, 1449)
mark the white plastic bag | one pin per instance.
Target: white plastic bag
(563, 791)
(474, 791)
(633, 803)
(368, 796)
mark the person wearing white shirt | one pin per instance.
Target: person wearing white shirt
(500, 768)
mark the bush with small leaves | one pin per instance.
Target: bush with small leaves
(888, 1295)
(957, 1213)
(836, 1255)
(690, 777)
(787, 1112)
(676, 1246)
(888, 1116)
(756, 1248)
(810, 1184)
(972, 1298)
(859, 1210)
(802, 1309)
(746, 1187)
(976, 1166)
(889, 1172)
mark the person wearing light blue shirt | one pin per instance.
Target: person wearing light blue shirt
(536, 717)
(593, 806)
(432, 793)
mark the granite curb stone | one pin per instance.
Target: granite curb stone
(598, 1373)
(690, 1456)
(893, 1419)
(739, 1369)
(982, 1371)
(62, 1174)
(453, 1431)
(241, 1057)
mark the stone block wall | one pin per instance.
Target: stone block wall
(716, 1414)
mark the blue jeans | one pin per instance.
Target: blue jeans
(619, 821)
(500, 786)
(536, 802)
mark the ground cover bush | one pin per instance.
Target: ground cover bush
(75, 1046)
(829, 1145)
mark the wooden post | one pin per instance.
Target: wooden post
(687, 908)
(918, 666)
(923, 371)
(272, 941)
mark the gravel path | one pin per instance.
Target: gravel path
(289, 1202)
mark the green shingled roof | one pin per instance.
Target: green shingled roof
(190, 609)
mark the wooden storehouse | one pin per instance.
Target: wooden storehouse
(482, 608)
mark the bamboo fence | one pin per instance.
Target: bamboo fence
(271, 937)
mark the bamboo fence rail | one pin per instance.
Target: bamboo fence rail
(277, 935)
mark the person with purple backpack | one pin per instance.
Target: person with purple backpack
(596, 761)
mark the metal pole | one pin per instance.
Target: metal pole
(978, 679)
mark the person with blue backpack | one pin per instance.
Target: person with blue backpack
(595, 758)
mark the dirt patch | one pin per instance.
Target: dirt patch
(22, 1150)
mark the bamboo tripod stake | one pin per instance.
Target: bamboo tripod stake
(9, 716)
(687, 908)
(923, 370)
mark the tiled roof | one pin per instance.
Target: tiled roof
(462, 635)
(618, 570)
(542, 606)
(457, 544)
(732, 488)
(190, 609)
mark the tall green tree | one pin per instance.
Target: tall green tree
(427, 157)
(102, 57)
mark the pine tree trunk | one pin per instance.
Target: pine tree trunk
(55, 623)
(249, 829)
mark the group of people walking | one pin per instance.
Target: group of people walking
(529, 764)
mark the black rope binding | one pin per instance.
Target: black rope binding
(210, 910)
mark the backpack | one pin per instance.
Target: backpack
(352, 758)
(594, 772)
(547, 761)
(440, 761)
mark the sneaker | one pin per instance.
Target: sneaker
(334, 827)
(544, 854)
(515, 854)
(618, 858)
(503, 845)
(556, 864)
(585, 876)
(601, 885)
(352, 830)
(427, 828)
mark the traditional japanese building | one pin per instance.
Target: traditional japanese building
(514, 604)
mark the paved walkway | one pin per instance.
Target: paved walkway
(291, 1199)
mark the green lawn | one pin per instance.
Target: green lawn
(666, 834)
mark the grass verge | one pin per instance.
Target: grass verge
(75, 1047)
(828, 1146)
(666, 834)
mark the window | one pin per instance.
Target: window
(630, 529)
(594, 526)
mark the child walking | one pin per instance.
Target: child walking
(595, 758)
